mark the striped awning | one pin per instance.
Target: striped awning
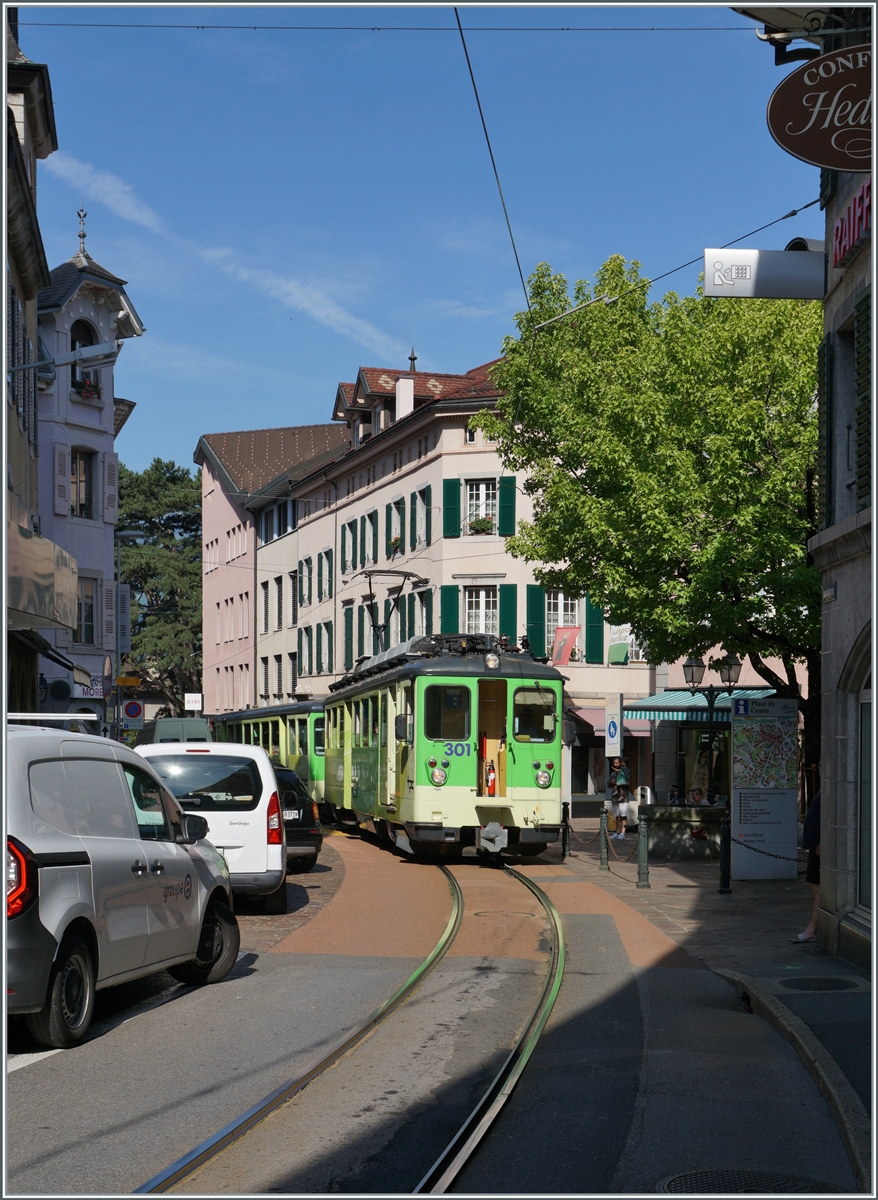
(684, 706)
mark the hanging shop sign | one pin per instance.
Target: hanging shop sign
(765, 274)
(822, 113)
(765, 775)
(93, 690)
(853, 226)
(564, 644)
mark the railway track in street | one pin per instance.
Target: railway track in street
(471, 1132)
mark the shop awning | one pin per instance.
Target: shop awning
(597, 719)
(37, 642)
(684, 706)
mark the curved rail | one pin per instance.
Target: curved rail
(217, 1142)
(463, 1145)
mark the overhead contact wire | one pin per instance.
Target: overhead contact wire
(493, 162)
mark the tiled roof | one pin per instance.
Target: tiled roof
(481, 373)
(254, 457)
(473, 389)
(67, 278)
(429, 385)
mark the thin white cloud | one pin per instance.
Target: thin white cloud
(310, 300)
(176, 361)
(108, 189)
(120, 198)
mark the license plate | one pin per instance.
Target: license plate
(291, 814)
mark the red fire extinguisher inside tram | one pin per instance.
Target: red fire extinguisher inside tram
(490, 779)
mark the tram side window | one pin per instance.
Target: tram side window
(383, 722)
(303, 735)
(446, 713)
(533, 715)
(318, 737)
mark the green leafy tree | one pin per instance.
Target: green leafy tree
(163, 505)
(670, 452)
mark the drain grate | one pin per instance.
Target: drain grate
(709, 1182)
(820, 983)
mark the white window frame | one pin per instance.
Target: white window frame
(481, 609)
(561, 610)
(481, 501)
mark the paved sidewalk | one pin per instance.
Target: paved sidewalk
(821, 1004)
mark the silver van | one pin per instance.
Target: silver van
(174, 729)
(107, 880)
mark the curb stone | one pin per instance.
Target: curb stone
(844, 1103)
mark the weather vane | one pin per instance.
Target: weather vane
(82, 214)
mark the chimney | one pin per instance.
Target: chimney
(405, 396)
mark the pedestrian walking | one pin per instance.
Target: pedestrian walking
(620, 796)
(811, 843)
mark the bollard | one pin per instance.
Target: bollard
(565, 830)
(725, 854)
(642, 859)
(605, 866)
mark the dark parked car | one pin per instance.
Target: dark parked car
(301, 821)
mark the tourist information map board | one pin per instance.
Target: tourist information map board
(765, 775)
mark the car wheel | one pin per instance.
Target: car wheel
(299, 866)
(276, 903)
(65, 1019)
(217, 949)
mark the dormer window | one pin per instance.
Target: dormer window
(82, 335)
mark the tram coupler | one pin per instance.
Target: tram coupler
(492, 837)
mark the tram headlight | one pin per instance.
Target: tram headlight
(543, 779)
(492, 662)
(438, 776)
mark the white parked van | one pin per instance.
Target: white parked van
(235, 788)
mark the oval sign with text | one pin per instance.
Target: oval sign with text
(822, 112)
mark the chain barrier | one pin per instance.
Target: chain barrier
(767, 853)
(616, 856)
(579, 839)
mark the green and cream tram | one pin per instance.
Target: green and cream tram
(291, 734)
(448, 741)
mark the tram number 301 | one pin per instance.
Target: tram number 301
(458, 749)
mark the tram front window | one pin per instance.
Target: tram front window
(446, 713)
(533, 715)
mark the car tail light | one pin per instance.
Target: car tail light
(21, 878)
(315, 812)
(275, 826)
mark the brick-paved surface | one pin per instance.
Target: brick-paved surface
(307, 894)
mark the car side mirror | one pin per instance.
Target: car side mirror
(195, 828)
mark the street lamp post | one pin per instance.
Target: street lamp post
(729, 673)
(119, 536)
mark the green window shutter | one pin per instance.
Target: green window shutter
(451, 510)
(413, 522)
(401, 506)
(403, 625)
(361, 630)
(309, 638)
(387, 608)
(310, 566)
(354, 545)
(349, 636)
(329, 573)
(411, 622)
(319, 576)
(373, 517)
(449, 607)
(594, 632)
(388, 529)
(301, 578)
(506, 506)
(536, 620)
(319, 649)
(362, 541)
(428, 514)
(344, 549)
(863, 398)
(301, 660)
(428, 610)
(376, 648)
(824, 432)
(508, 597)
(330, 637)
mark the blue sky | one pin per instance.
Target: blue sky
(289, 205)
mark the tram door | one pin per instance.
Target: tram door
(492, 738)
(382, 749)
